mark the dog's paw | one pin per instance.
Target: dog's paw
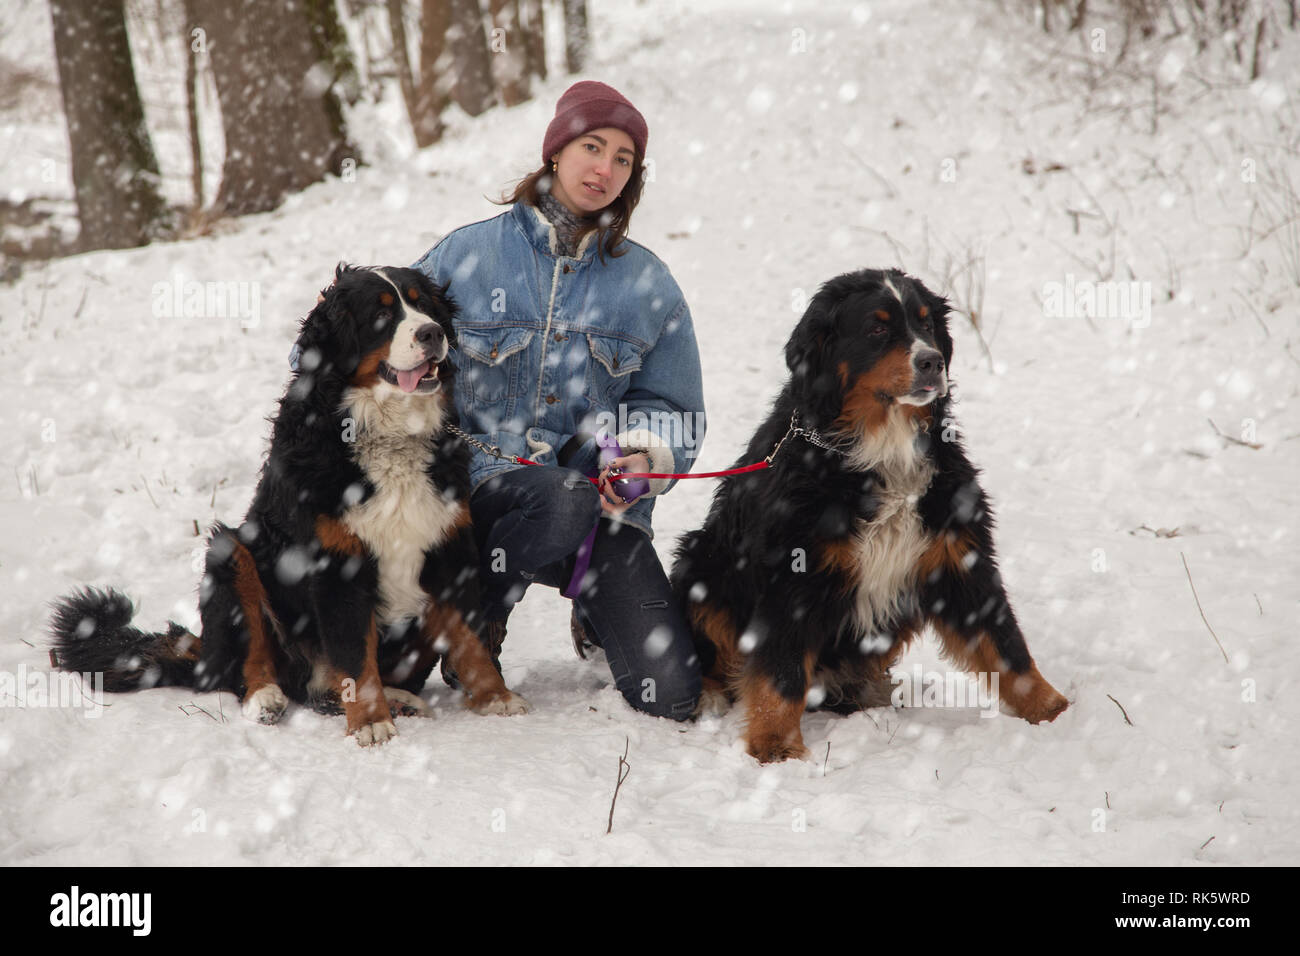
(266, 705)
(377, 733)
(327, 705)
(402, 703)
(504, 705)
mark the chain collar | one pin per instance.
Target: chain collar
(808, 434)
(492, 450)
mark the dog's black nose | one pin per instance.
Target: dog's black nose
(928, 361)
(429, 334)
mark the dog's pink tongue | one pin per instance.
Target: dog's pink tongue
(409, 379)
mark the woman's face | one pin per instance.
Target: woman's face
(592, 170)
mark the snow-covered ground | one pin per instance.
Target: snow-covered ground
(789, 145)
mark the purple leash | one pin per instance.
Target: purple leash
(582, 563)
(629, 489)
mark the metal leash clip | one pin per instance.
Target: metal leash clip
(492, 450)
(808, 434)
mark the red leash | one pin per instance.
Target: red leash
(794, 429)
(757, 466)
(583, 554)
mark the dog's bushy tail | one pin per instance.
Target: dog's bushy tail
(92, 633)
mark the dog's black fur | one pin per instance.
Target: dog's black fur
(315, 595)
(817, 572)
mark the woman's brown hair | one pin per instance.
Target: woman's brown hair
(610, 224)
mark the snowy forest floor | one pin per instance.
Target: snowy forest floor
(974, 151)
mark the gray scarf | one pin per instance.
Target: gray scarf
(567, 224)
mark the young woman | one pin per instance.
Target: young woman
(569, 329)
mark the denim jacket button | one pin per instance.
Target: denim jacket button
(552, 399)
(567, 269)
(493, 353)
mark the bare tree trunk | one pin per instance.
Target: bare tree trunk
(192, 109)
(276, 68)
(534, 27)
(509, 52)
(576, 38)
(114, 168)
(402, 57)
(432, 95)
(472, 87)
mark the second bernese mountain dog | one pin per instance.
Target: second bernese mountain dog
(809, 579)
(355, 568)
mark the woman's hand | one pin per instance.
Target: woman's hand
(610, 502)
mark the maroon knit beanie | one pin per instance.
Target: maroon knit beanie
(590, 105)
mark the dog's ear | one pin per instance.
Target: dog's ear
(804, 350)
(439, 292)
(817, 393)
(313, 335)
(328, 339)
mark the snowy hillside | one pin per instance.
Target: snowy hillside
(789, 145)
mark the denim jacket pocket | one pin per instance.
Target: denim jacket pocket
(613, 360)
(491, 359)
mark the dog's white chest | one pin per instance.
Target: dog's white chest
(888, 547)
(406, 516)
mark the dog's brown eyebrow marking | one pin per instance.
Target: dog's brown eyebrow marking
(924, 311)
(386, 298)
(413, 294)
(882, 314)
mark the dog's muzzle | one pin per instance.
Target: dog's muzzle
(430, 345)
(929, 378)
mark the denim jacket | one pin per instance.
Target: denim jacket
(551, 346)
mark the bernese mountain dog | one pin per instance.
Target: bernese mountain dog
(355, 568)
(809, 579)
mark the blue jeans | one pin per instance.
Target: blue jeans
(529, 524)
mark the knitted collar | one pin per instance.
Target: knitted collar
(567, 224)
